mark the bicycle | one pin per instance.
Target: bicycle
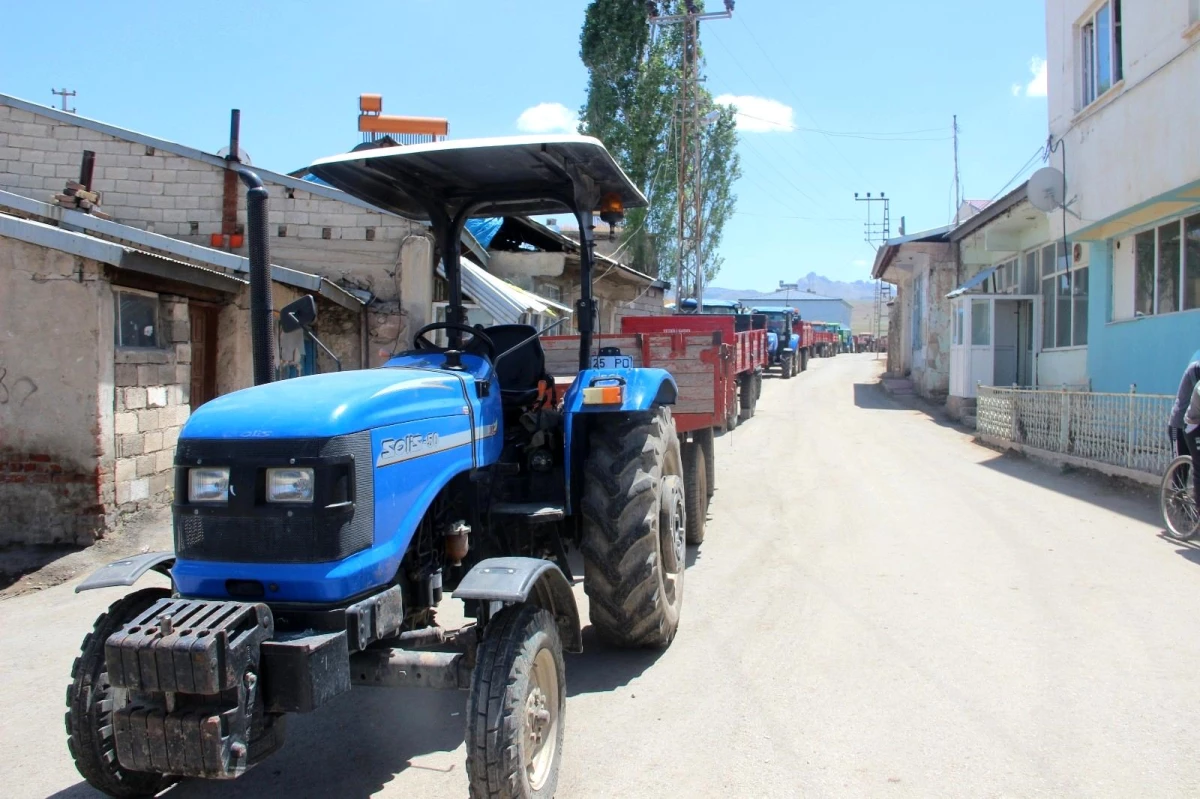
(1177, 501)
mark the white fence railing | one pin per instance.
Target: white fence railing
(1127, 431)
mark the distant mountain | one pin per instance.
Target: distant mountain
(853, 291)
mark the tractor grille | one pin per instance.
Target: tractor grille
(249, 530)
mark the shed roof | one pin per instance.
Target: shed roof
(505, 302)
(165, 247)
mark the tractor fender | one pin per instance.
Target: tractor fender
(128, 571)
(532, 580)
(645, 389)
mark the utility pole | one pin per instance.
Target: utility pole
(689, 271)
(883, 229)
(64, 94)
(957, 182)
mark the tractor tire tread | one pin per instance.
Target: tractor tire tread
(494, 711)
(622, 479)
(90, 748)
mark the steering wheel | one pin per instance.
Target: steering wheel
(477, 335)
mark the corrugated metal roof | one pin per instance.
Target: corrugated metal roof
(505, 302)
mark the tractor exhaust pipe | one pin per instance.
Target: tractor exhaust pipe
(262, 343)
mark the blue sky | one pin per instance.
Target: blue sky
(875, 68)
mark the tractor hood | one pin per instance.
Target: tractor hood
(330, 404)
(772, 341)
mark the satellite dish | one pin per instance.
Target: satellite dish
(1047, 189)
(243, 156)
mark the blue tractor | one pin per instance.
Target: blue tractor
(319, 520)
(783, 343)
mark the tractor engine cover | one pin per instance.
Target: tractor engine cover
(192, 704)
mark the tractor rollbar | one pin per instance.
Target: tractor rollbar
(262, 342)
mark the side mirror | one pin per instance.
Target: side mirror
(299, 314)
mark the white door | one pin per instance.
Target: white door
(960, 362)
(981, 338)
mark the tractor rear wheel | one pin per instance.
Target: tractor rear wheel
(695, 491)
(516, 708)
(634, 598)
(91, 702)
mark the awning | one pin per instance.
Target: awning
(974, 282)
(505, 302)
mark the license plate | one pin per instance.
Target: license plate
(612, 362)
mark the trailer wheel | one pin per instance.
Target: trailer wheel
(786, 367)
(747, 397)
(516, 708)
(758, 377)
(803, 360)
(91, 702)
(634, 599)
(695, 491)
(708, 446)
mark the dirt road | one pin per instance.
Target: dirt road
(882, 608)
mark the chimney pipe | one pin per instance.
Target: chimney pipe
(262, 343)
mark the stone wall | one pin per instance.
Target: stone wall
(151, 403)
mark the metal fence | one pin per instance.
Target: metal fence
(1128, 431)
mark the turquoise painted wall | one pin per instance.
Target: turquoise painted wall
(1151, 352)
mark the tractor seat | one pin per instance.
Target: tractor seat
(519, 372)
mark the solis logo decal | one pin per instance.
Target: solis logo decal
(395, 450)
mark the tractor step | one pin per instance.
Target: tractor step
(534, 512)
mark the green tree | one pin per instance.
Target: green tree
(633, 86)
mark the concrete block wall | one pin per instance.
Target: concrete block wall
(181, 197)
(151, 404)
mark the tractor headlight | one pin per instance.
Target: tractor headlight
(208, 485)
(289, 485)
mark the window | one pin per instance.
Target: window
(981, 323)
(1100, 52)
(1167, 268)
(136, 320)
(1064, 300)
(1193, 12)
(958, 324)
(549, 291)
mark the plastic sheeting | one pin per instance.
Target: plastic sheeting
(484, 230)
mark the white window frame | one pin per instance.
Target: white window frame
(1181, 278)
(1088, 73)
(1050, 308)
(158, 322)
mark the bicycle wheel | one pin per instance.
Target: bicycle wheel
(1176, 500)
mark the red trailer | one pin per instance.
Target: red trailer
(747, 355)
(702, 356)
(808, 341)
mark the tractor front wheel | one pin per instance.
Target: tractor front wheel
(516, 708)
(786, 367)
(91, 702)
(633, 572)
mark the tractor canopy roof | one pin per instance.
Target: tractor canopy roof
(513, 176)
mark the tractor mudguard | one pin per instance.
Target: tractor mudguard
(538, 582)
(645, 389)
(128, 571)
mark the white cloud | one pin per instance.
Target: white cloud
(760, 114)
(860, 262)
(548, 118)
(1036, 87)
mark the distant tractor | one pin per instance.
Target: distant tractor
(783, 342)
(319, 521)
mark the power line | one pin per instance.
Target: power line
(805, 218)
(791, 128)
(1020, 172)
(797, 97)
(760, 89)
